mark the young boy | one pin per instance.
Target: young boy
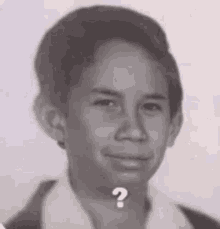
(111, 96)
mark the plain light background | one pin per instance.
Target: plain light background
(191, 169)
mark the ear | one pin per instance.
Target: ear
(175, 127)
(49, 119)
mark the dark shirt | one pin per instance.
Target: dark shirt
(199, 219)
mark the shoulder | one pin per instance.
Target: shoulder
(199, 219)
(30, 215)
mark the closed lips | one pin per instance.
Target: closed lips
(127, 157)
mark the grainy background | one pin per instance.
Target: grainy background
(190, 171)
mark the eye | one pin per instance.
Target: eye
(153, 107)
(104, 103)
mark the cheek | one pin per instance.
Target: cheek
(158, 132)
(98, 128)
(103, 132)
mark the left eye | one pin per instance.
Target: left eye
(151, 107)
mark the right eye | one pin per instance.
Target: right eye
(104, 102)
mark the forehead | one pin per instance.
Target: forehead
(123, 66)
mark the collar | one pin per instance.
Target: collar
(62, 209)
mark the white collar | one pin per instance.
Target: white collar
(62, 209)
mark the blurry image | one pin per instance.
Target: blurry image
(111, 97)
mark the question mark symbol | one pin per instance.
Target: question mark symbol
(121, 197)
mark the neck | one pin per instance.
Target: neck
(131, 202)
(102, 208)
(106, 213)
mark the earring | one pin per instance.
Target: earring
(61, 144)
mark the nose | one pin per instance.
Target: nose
(131, 130)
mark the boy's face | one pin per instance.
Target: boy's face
(131, 121)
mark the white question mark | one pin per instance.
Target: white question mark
(121, 197)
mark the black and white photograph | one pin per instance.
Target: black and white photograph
(110, 114)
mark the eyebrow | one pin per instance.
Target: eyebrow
(110, 92)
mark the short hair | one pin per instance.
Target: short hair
(69, 47)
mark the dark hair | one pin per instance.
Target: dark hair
(69, 47)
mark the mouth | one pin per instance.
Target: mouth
(127, 163)
(123, 157)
